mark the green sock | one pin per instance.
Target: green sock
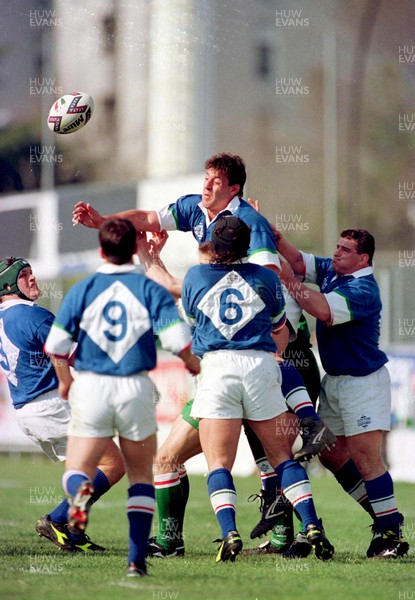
(184, 484)
(300, 523)
(283, 531)
(171, 502)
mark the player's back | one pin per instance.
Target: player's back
(112, 315)
(232, 306)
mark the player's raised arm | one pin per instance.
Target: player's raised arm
(310, 300)
(290, 253)
(287, 250)
(143, 220)
(149, 256)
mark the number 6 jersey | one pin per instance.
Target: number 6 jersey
(233, 306)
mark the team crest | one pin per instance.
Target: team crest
(198, 231)
(232, 277)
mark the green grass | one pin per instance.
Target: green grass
(32, 568)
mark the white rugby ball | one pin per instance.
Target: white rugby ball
(70, 112)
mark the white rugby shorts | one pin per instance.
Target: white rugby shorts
(238, 384)
(104, 405)
(351, 405)
(45, 421)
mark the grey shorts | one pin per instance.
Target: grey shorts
(352, 405)
(45, 421)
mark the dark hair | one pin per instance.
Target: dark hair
(365, 242)
(117, 238)
(230, 239)
(231, 165)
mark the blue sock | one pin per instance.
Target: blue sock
(295, 393)
(351, 481)
(140, 510)
(222, 496)
(101, 485)
(382, 499)
(268, 483)
(60, 513)
(72, 481)
(297, 489)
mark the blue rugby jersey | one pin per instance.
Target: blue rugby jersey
(349, 345)
(233, 307)
(24, 328)
(113, 315)
(188, 214)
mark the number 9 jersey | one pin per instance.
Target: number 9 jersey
(234, 307)
(114, 316)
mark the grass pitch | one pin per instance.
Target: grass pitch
(31, 568)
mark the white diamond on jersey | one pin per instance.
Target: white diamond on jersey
(231, 304)
(115, 320)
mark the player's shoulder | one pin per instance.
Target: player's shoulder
(189, 200)
(195, 271)
(40, 311)
(197, 275)
(29, 311)
(25, 319)
(364, 284)
(263, 272)
(322, 263)
(251, 216)
(82, 284)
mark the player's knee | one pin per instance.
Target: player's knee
(167, 462)
(112, 465)
(114, 472)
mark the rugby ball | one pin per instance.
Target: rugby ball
(70, 112)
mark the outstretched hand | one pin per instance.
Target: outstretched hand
(157, 242)
(84, 214)
(286, 271)
(143, 250)
(193, 365)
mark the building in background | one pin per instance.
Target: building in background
(316, 96)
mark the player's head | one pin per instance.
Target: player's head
(365, 242)
(16, 278)
(354, 251)
(230, 239)
(231, 166)
(118, 240)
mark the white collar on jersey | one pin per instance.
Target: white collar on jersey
(110, 268)
(14, 301)
(231, 207)
(361, 272)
